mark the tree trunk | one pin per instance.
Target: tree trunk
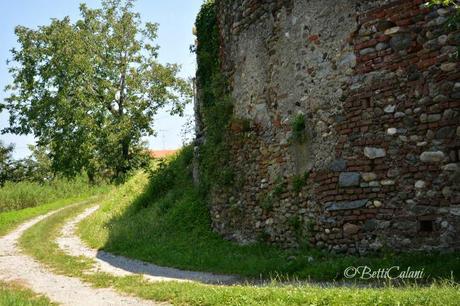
(123, 166)
(91, 177)
(125, 142)
(125, 152)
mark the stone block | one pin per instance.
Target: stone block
(432, 156)
(369, 176)
(373, 153)
(345, 205)
(349, 179)
(350, 229)
(401, 41)
(338, 165)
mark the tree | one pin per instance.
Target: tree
(6, 160)
(35, 168)
(88, 90)
(38, 166)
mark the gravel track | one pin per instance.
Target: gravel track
(70, 243)
(18, 267)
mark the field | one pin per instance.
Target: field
(15, 196)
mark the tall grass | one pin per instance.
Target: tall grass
(15, 196)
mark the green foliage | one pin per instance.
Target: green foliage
(274, 194)
(296, 224)
(299, 181)
(167, 175)
(15, 196)
(280, 187)
(298, 126)
(441, 2)
(263, 237)
(217, 107)
(208, 70)
(268, 201)
(453, 22)
(39, 165)
(35, 168)
(6, 160)
(89, 90)
(310, 224)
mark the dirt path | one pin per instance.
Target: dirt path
(15, 266)
(119, 265)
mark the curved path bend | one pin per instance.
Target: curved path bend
(70, 243)
(16, 266)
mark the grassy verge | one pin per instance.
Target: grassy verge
(38, 241)
(164, 220)
(11, 219)
(15, 196)
(15, 295)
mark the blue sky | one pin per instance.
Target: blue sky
(176, 18)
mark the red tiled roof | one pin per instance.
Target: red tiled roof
(161, 153)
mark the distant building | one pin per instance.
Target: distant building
(161, 153)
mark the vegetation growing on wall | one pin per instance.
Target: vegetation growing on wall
(216, 107)
(299, 181)
(453, 22)
(299, 126)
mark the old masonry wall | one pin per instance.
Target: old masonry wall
(351, 134)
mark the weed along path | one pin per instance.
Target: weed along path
(106, 262)
(15, 266)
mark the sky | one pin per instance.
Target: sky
(176, 19)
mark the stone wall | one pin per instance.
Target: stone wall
(376, 163)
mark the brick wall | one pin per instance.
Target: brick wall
(378, 85)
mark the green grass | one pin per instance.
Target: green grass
(162, 219)
(11, 219)
(15, 295)
(15, 196)
(38, 241)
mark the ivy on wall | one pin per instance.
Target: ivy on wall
(215, 105)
